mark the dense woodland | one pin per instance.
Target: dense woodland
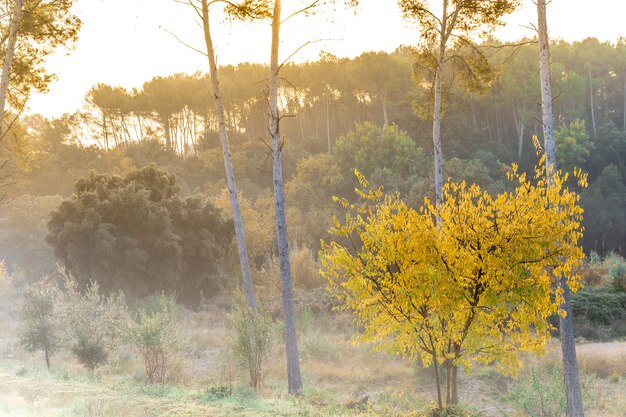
(340, 114)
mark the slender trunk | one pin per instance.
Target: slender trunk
(294, 380)
(624, 122)
(566, 326)
(47, 356)
(228, 164)
(448, 367)
(454, 394)
(8, 60)
(437, 381)
(473, 111)
(519, 124)
(141, 135)
(385, 115)
(168, 132)
(498, 127)
(592, 105)
(520, 145)
(302, 137)
(438, 158)
(105, 130)
(330, 146)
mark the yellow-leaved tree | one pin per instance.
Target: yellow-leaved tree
(477, 286)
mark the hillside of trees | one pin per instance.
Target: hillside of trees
(340, 115)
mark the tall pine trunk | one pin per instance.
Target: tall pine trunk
(438, 97)
(294, 379)
(566, 324)
(592, 105)
(385, 112)
(9, 53)
(228, 164)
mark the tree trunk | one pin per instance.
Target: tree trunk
(566, 325)
(294, 380)
(168, 132)
(105, 130)
(385, 114)
(592, 105)
(438, 382)
(624, 122)
(228, 164)
(438, 158)
(519, 124)
(454, 393)
(8, 60)
(330, 146)
(47, 356)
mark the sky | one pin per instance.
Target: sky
(127, 42)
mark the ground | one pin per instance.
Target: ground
(336, 373)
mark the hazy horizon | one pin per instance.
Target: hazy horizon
(120, 58)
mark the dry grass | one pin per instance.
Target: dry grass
(605, 360)
(334, 370)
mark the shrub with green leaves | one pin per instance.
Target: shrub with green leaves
(252, 338)
(154, 332)
(40, 319)
(94, 323)
(542, 393)
(616, 270)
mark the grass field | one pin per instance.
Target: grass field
(336, 373)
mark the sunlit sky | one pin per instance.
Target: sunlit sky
(127, 42)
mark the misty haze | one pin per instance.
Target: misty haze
(316, 208)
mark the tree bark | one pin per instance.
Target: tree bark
(47, 356)
(228, 164)
(330, 146)
(168, 132)
(437, 379)
(566, 325)
(385, 113)
(8, 60)
(438, 93)
(294, 379)
(624, 122)
(519, 124)
(454, 393)
(592, 105)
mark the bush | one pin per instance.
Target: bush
(599, 314)
(252, 338)
(543, 394)
(155, 333)
(593, 271)
(217, 392)
(616, 270)
(433, 410)
(94, 323)
(40, 319)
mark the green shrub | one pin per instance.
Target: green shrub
(449, 411)
(41, 327)
(616, 270)
(94, 323)
(217, 392)
(599, 314)
(542, 394)
(252, 338)
(155, 334)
